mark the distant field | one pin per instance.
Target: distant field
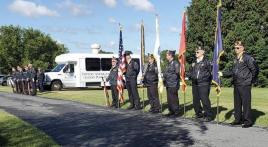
(15, 132)
(96, 97)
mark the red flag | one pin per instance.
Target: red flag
(182, 50)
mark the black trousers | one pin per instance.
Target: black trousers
(33, 86)
(26, 86)
(201, 93)
(153, 96)
(172, 99)
(242, 99)
(40, 85)
(20, 86)
(133, 94)
(114, 96)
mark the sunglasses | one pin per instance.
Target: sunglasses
(237, 48)
(197, 52)
(113, 61)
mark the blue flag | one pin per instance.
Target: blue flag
(218, 51)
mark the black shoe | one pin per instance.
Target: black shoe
(151, 111)
(234, 123)
(198, 116)
(247, 125)
(156, 111)
(170, 114)
(138, 108)
(130, 107)
(208, 119)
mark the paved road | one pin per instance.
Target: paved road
(75, 124)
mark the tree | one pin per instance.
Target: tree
(246, 20)
(20, 46)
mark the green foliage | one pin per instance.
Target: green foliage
(20, 46)
(246, 20)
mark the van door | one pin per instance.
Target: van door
(69, 79)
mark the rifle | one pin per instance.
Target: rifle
(106, 93)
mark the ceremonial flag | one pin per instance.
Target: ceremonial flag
(182, 50)
(218, 50)
(121, 68)
(157, 55)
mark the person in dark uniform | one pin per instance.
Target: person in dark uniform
(33, 78)
(244, 73)
(131, 74)
(19, 80)
(150, 80)
(112, 79)
(13, 79)
(200, 74)
(40, 79)
(171, 80)
(26, 80)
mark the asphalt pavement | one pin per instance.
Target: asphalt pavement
(75, 124)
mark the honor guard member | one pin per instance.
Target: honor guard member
(33, 78)
(26, 80)
(131, 74)
(150, 80)
(40, 79)
(171, 80)
(13, 79)
(200, 74)
(112, 79)
(19, 80)
(244, 73)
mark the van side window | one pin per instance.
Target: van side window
(92, 64)
(71, 68)
(106, 64)
(66, 69)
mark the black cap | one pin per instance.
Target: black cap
(127, 53)
(171, 52)
(114, 58)
(150, 55)
(200, 48)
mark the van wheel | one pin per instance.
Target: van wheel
(56, 86)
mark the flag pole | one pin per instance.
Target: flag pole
(218, 99)
(184, 101)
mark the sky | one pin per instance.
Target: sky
(79, 23)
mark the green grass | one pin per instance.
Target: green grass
(15, 132)
(96, 97)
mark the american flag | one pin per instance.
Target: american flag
(121, 69)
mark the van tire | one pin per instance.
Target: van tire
(56, 86)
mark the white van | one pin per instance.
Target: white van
(81, 70)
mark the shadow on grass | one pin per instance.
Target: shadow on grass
(214, 111)
(255, 114)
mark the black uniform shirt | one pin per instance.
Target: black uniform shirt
(112, 78)
(151, 75)
(172, 74)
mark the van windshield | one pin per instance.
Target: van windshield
(58, 68)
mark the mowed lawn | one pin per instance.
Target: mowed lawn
(96, 97)
(15, 132)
